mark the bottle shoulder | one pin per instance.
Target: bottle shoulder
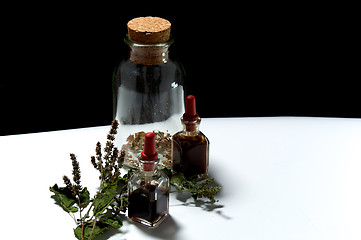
(127, 64)
(181, 136)
(128, 74)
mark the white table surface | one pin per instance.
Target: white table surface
(282, 178)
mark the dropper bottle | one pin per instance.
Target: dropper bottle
(148, 188)
(190, 147)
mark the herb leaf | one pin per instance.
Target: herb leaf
(99, 229)
(112, 221)
(104, 198)
(178, 179)
(84, 198)
(64, 198)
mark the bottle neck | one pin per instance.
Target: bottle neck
(148, 54)
(191, 128)
(148, 166)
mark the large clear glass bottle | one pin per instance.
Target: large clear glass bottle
(148, 89)
(148, 189)
(190, 147)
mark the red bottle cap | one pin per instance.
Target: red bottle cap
(149, 153)
(191, 111)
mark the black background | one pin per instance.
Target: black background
(241, 61)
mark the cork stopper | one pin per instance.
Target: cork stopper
(149, 30)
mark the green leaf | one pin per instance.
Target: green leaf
(64, 198)
(122, 185)
(84, 198)
(99, 229)
(112, 221)
(104, 198)
(178, 179)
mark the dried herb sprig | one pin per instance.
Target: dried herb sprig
(109, 166)
(73, 198)
(198, 189)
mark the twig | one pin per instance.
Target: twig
(91, 233)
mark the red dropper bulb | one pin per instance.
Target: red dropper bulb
(191, 111)
(149, 153)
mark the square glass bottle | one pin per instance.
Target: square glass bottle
(148, 189)
(190, 147)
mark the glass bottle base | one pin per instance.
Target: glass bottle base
(150, 224)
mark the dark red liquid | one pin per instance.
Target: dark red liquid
(190, 154)
(149, 202)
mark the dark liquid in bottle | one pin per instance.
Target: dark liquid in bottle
(149, 202)
(190, 154)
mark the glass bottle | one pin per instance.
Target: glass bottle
(190, 147)
(148, 87)
(148, 189)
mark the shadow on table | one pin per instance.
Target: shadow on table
(207, 205)
(108, 234)
(166, 230)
